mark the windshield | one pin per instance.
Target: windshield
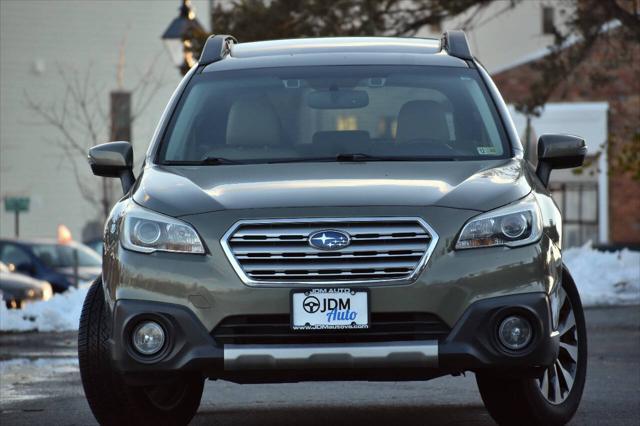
(61, 256)
(333, 112)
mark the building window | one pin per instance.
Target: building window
(548, 26)
(578, 202)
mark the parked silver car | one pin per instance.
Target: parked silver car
(17, 288)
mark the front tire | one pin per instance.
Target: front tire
(111, 400)
(553, 398)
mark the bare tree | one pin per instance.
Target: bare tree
(81, 119)
(270, 19)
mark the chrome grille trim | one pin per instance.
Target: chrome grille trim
(275, 252)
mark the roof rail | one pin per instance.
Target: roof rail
(456, 44)
(216, 48)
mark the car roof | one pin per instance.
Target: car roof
(336, 51)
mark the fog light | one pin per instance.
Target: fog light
(515, 332)
(148, 338)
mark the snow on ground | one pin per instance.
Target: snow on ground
(605, 278)
(602, 278)
(61, 312)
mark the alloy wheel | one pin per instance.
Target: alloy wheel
(556, 382)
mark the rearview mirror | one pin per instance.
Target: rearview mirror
(338, 99)
(113, 159)
(559, 152)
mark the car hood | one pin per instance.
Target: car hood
(11, 281)
(474, 185)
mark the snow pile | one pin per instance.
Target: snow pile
(602, 278)
(605, 278)
(61, 312)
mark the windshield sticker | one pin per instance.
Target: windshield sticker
(487, 150)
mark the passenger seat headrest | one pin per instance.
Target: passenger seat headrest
(422, 119)
(253, 122)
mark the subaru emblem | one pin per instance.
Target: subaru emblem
(329, 240)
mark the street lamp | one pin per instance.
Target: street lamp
(182, 37)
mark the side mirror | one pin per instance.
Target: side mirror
(113, 159)
(559, 152)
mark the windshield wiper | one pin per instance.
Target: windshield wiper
(207, 161)
(214, 161)
(345, 157)
(357, 156)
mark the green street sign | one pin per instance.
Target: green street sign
(16, 204)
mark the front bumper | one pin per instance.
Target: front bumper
(470, 345)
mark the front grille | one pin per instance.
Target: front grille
(381, 249)
(276, 329)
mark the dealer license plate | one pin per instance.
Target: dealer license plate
(329, 308)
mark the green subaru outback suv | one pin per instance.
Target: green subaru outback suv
(334, 209)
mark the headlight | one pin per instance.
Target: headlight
(514, 225)
(146, 231)
(47, 291)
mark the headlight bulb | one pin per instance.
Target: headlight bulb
(514, 225)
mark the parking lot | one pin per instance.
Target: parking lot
(40, 384)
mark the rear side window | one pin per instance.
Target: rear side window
(303, 113)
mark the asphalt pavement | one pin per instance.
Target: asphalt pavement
(40, 385)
